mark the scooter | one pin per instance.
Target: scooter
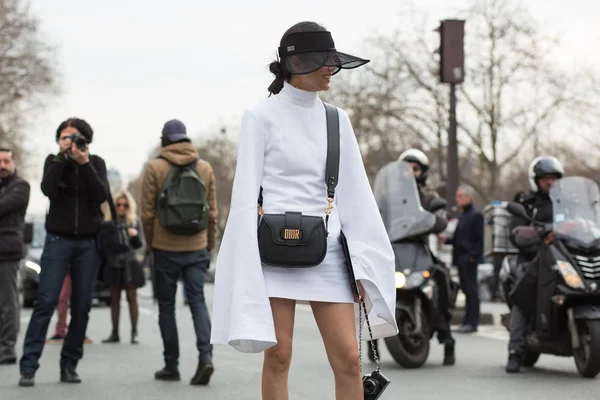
(417, 291)
(562, 295)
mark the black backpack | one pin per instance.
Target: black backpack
(182, 206)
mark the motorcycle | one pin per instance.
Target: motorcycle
(563, 299)
(417, 291)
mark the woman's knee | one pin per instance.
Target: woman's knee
(279, 357)
(346, 361)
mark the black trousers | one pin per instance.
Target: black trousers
(441, 322)
(467, 273)
(518, 330)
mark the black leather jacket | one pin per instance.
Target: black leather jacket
(76, 193)
(538, 207)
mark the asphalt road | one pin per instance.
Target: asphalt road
(125, 371)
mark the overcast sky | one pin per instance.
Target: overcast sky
(128, 66)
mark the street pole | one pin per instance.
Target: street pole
(452, 156)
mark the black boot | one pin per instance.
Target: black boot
(134, 336)
(203, 373)
(168, 374)
(514, 363)
(69, 375)
(449, 357)
(113, 338)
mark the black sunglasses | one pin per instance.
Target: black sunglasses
(126, 206)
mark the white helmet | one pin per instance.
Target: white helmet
(543, 166)
(417, 156)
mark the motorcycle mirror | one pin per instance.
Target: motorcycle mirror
(518, 210)
(437, 204)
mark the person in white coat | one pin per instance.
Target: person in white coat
(283, 150)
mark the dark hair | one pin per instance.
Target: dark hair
(81, 125)
(165, 141)
(277, 67)
(5, 150)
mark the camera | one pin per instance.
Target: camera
(79, 140)
(374, 385)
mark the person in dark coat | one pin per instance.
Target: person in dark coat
(14, 198)
(467, 254)
(124, 271)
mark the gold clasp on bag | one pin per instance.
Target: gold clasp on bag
(329, 206)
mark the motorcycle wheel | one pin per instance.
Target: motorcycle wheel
(587, 356)
(530, 358)
(410, 351)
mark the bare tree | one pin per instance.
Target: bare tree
(513, 97)
(27, 73)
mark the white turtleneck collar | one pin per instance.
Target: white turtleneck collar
(298, 96)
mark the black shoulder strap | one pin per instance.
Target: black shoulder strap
(332, 165)
(333, 149)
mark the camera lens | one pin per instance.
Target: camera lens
(370, 386)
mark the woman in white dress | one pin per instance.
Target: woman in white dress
(283, 150)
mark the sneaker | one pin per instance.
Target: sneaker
(56, 339)
(27, 380)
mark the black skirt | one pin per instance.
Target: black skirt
(124, 274)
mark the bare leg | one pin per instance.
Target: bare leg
(278, 358)
(336, 323)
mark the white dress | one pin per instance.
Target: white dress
(283, 148)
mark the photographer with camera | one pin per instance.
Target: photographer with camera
(76, 184)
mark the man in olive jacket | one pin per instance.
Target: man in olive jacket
(14, 199)
(176, 255)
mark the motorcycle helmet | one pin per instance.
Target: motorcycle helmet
(417, 156)
(543, 166)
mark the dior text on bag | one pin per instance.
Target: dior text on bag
(293, 239)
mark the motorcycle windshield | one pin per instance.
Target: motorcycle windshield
(397, 196)
(576, 208)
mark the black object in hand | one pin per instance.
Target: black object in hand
(79, 141)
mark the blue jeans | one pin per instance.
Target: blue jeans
(192, 266)
(60, 253)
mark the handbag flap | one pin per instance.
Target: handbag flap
(291, 228)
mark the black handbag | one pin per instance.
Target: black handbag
(293, 239)
(112, 235)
